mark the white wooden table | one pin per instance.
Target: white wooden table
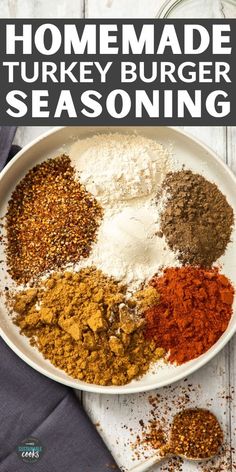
(214, 384)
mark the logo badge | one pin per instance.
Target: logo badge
(30, 450)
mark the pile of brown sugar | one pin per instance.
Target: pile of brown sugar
(83, 323)
(51, 220)
(197, 220)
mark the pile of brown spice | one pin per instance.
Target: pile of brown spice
(51, 220)
(197, 220)
(195, 433)
(84, 324)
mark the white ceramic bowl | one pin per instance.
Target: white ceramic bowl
(188, 151)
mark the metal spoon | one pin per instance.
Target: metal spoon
(165, 453)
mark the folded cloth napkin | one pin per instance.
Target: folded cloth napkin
(32, 405)
(7, 134)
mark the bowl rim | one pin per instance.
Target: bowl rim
(128, 388)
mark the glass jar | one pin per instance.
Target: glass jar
(198, 9)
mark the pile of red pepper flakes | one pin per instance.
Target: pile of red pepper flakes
(51, 220)
(194, 311)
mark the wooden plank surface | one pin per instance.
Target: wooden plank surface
(41, 9)
(122, 8)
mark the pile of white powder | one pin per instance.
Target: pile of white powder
(128, 247)
(124, 173)
(120, 167)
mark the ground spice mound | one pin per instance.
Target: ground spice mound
(195, 433)
(51, 220)
(194, 311)
(84, 325)
(197, 220)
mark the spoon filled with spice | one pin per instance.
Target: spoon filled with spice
(195, 435)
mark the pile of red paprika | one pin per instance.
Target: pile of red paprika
(194, 310)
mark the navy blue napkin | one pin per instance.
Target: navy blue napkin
(35, 410)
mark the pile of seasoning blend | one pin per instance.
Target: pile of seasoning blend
(194, 310)
(51, 220)
(83, 323)
(197, 220)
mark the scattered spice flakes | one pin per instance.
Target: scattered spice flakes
(163, 406)
(51, 220)
(154, 437)
(174, 464)
(155, 430)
